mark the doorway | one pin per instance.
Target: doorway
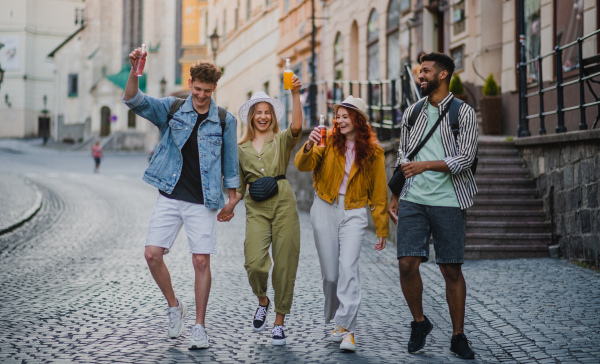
(104, 121)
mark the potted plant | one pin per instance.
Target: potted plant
(491, 107)
(457, 88)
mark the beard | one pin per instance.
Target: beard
(431, 85)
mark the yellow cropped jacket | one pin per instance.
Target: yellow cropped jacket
(365, 186)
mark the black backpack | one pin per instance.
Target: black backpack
(452, 113)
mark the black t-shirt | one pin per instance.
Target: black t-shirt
(189, 186)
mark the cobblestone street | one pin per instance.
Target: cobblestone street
(74, 287)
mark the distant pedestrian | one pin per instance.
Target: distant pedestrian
(97, 153)
(273, 222)
(439, 188)
(349, 174)
(196, 156)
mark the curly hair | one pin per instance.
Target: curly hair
(365, 141)
(205, 72)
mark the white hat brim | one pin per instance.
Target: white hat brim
(277, 105)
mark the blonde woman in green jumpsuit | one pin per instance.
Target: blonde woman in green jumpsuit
(264, 151)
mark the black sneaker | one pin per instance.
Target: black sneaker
(459, 345)
(260, 317)
(278, 335)
(418, 334)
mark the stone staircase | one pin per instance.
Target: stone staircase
(507, 219)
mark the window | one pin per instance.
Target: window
(131, 119)
(404, 5)
(569, 27)
(267, 3)
(532, 36)
(132, 27)
(457, 55)
(286, 6)
(248, 9)
(373, 46)
(224, 26)
(206, 28)
(338, 58)
(73, 85)
(393, 40)
(266, 87)
(236, 15)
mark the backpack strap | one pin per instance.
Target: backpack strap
(222, 117)
(174, 107)
(453, 114)
(412, 118)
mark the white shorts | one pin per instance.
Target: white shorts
(168, 217)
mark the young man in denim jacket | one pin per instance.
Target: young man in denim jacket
(194, 155)
(439, 188)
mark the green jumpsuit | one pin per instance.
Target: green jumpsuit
(274, 220)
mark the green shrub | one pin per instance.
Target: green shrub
(456, 86)
(490, 88)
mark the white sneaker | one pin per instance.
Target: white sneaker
(348, 342)
(176, 316)
(338, 334)
(198, 338)
(278, 335)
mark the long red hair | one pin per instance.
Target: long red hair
(365, 141)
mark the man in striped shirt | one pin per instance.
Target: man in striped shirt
(439, 188)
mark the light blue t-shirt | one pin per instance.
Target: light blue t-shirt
(432, 188)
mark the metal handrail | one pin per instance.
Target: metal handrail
(559, 86)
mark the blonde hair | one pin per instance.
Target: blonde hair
(271, 131)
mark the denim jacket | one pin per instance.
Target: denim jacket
(166, 163)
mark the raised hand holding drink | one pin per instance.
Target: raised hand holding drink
(287, 76)
(141, 62)
(323, 131)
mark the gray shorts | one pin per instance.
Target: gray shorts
(447, 225)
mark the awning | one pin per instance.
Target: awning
(120, 79)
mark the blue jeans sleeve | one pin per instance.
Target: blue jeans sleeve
(151, 108)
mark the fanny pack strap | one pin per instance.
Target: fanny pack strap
(281, 176)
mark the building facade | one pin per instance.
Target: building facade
(92, 67)
(29, 30)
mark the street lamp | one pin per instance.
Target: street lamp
(214, 44)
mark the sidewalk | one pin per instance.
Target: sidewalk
(20, 200)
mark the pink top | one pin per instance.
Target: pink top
(350, 154)
(96, 151)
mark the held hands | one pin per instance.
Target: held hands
(226, 213)
(313, 138)
(296, 84)
(381, 245)
(135, 55)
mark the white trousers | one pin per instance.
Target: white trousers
(339, 235)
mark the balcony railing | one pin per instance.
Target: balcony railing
(588, 69)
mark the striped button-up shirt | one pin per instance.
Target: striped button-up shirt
(459, 154)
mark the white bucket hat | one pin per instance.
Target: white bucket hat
(354, 103)
(261, 97)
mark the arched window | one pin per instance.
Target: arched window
(338, 67)
(338, 58)
(373, 46)
(393, 40)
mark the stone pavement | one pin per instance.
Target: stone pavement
(19, 201)
(74, 287)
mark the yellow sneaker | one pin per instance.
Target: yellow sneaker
(338, 334)
(348, 342)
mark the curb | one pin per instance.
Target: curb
(27, 215)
